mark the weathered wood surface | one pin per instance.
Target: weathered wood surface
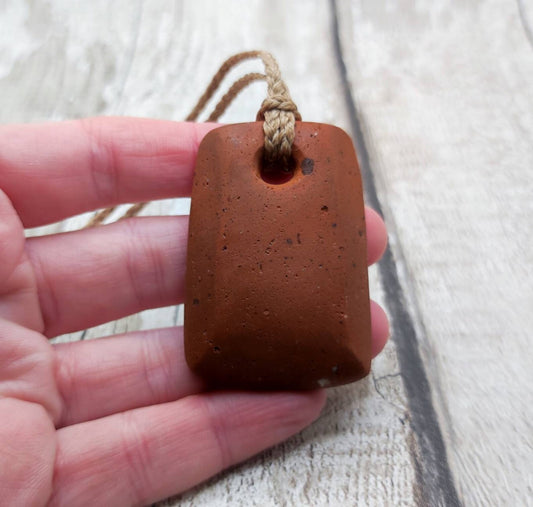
(439, 98)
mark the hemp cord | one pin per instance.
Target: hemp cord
(278, 113)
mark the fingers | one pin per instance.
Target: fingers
(18, 296)
(92, 276)
(151, 453)
(100, 377)
(52, 171)
(97, 378)
(11, 239)
(376, 233)
(380, 328)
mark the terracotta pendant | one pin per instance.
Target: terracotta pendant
(277, 284)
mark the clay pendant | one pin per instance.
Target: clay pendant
(277, 284)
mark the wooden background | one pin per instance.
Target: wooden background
(438, 96)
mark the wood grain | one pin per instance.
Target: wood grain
(443, 98)
(446, 114)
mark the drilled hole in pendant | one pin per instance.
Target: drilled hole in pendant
(277, 172)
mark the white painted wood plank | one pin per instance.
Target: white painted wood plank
(445, 94)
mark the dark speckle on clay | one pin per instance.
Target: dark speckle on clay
(308, 165)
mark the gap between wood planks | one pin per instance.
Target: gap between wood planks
(528, 31)
(435, 483)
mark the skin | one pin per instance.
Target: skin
(118, 420)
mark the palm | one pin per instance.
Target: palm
(119, 420)
(30, 399)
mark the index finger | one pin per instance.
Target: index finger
(55, 170)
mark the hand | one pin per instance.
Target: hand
(119, 420)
